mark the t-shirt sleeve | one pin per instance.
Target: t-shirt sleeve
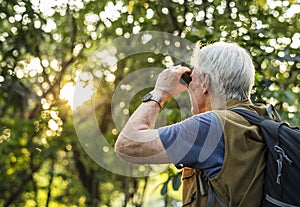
(196, 142)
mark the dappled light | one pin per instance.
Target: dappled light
(73, 71)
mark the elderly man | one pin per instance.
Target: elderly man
(219, 143)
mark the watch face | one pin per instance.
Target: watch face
(147, 97)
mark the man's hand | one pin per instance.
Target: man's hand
(168, 83)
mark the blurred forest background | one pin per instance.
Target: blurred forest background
(44, 46)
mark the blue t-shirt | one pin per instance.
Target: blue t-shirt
(197, 142)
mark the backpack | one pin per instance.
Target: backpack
(282, 177)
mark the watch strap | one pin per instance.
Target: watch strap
(150, 97)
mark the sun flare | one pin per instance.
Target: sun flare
(68, 91)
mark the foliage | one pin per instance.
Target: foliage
(45, 45)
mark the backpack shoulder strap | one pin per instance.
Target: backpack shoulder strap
(263, 123)
(212, 196)
(252, 117)
(273, 114)
(207, 190)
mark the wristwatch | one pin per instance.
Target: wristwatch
(150, 97)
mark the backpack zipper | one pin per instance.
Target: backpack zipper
(282, 155)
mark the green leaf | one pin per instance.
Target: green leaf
(290, 97)
(176, 181)
(164, 189)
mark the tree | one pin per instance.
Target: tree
(46, 49)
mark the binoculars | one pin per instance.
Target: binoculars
(186, 78)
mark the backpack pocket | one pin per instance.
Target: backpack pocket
(189, 187)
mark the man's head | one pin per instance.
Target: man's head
(230, 69)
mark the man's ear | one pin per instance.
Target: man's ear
(205, 82)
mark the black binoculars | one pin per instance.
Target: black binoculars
(186, 78)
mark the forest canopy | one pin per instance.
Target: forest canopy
(75, 57)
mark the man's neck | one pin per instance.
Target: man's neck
(217, 102)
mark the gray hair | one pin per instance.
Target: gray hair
(229, 66)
